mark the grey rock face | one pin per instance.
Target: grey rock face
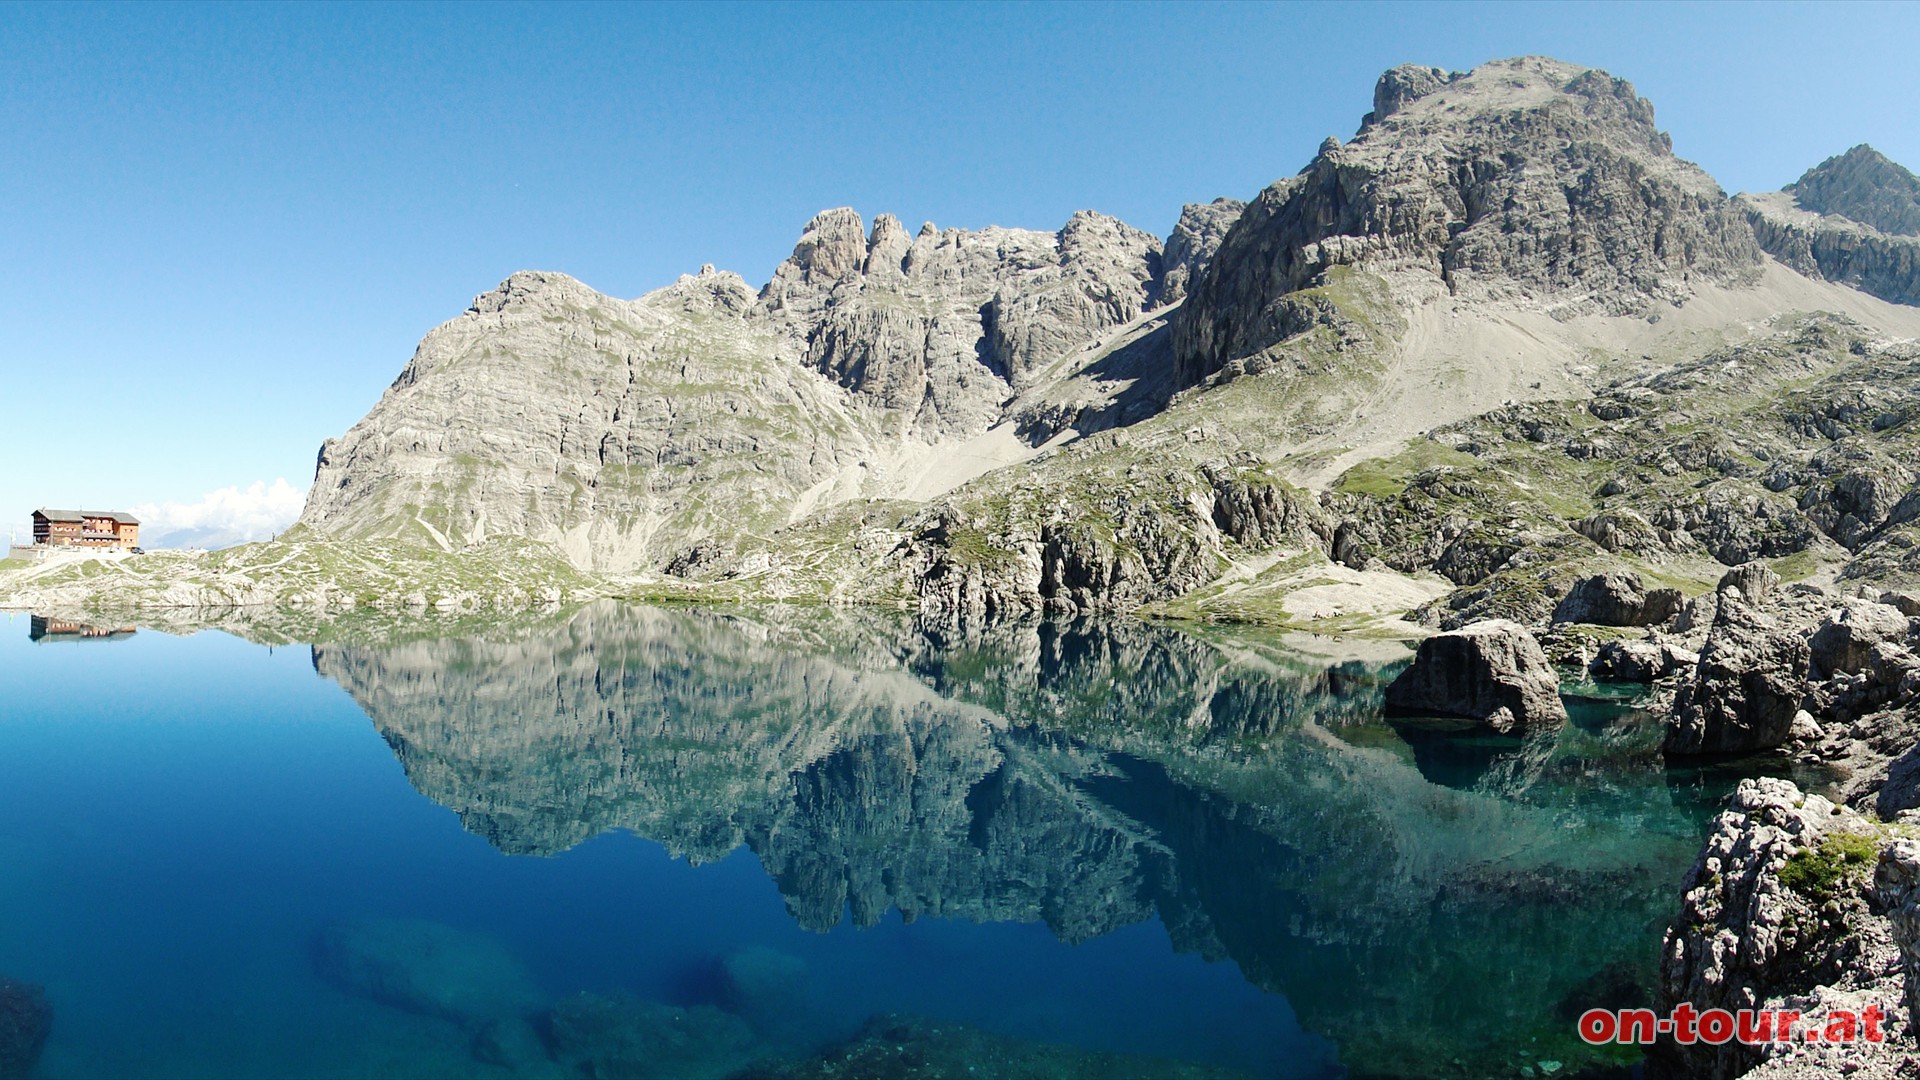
(1835, 244)
(1755, 924)
(1639, 661)
(1191, 245)
(1617, 598)
(1520, 176)
(1896, 883)
(1755, 580)
(1492, 671)
(620, 431)
(1863, 185)
(1846, 642)
(938, 330)
(1748, 685)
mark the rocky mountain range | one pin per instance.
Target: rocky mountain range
(1422, 365)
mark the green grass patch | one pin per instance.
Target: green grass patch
(1841, 862)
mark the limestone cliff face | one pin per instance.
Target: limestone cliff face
(1523, 179)
(940, 329)
(620, 431)
(1854, 219)
(1191, 245)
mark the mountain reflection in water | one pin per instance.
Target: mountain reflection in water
(1420, 896)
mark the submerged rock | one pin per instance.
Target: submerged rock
(1492, 671)
(765, 987)
(622, 1037)
(426, 967)
(899, 1048)
(26, 1018)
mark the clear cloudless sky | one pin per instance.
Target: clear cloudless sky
(224, 227)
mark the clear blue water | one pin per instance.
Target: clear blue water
(1119, 837)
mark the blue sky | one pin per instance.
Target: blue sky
(224, 227)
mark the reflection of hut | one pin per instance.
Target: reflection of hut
(41, 628)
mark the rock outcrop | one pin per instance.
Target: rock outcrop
(1776, 908)
(1746, 688)
(1617, 598)
(621, 432)
(1520, 177)
(938, 330)
(1192, 244)
(1854, 219)
(1639, 661)
(1864, 186)
(1491, 671)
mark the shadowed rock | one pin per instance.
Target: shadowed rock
(1617, 598)
(1492, 671)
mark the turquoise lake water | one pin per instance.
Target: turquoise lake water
(777, 825)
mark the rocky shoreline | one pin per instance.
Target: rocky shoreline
(1796, 902)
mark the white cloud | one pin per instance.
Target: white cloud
(221, 518)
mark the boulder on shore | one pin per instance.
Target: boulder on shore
(1639, 661)
(1746, 688)
(1493, 671)
(1617, 598)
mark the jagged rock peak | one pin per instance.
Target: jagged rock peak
(1397, 86)
(1863, 185)
(938, 328)
(831, 247)
(1529, 180)
(1195, 237)
(528, 287)
(710, 290)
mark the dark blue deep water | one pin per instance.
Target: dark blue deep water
(408, 851)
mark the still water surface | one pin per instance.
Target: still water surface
(411, 857)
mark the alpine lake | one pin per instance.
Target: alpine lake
(689, 843)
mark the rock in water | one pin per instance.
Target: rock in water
(635, 1039)
(426, 967)
(910, 1048)
(1617, 598)
(26, 1018)
(1493, 671)
(1775, 905)
(1746, 688)
(767, 988)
